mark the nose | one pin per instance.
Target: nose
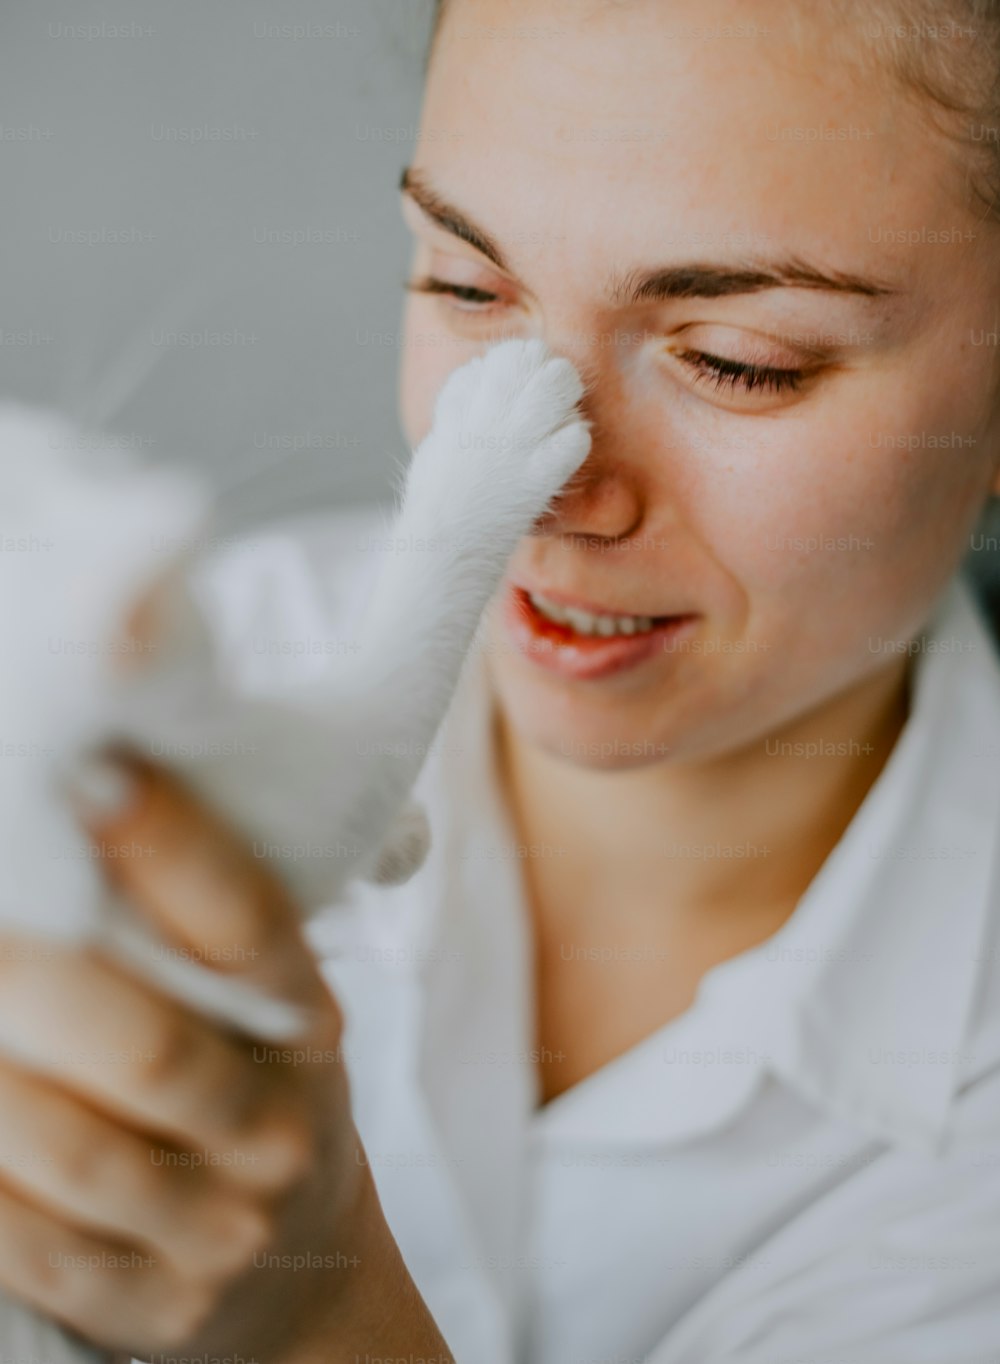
(604, 499)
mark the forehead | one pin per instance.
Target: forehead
(651, 125)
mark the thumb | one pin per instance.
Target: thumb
(193, 881)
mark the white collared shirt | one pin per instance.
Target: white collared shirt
(802, 1168)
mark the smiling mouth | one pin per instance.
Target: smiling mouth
(586, 644)
(594, 623)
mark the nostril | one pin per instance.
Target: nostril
(598, 504)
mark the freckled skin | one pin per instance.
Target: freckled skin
(620, 144)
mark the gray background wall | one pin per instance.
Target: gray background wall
(199, 133)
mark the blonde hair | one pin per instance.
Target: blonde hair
(945, 57)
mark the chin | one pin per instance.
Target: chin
(572, 723)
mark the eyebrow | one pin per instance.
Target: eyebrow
(697, 280)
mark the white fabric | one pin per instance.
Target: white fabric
(91, 535)
(804, 1166)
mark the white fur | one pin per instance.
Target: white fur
(506, 436)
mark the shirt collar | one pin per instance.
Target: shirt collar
(860, 1002)
(880, 961)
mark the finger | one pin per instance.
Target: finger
(103, 1179)
(199, 884)
(145, 1061)
(118, 1296)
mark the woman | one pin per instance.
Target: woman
(684, 1045)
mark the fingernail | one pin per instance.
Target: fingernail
(100, 786)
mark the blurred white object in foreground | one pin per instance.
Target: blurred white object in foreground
(87, 538)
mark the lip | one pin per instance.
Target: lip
(560, 650)
(594, 608)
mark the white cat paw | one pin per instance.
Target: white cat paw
(512, 414)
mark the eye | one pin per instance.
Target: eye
(466, 297)
(737, 374)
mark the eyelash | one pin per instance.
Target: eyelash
(714, 369)
(731, 374)
(465, 293)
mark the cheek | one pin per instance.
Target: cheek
(418, 381)
(840, 507)
(416, 395)
(430, 353)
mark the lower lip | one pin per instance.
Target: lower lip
(558, 649)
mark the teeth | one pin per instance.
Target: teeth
(581, 621)
(586, 623)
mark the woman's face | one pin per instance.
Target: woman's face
(794, 418)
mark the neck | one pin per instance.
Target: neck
(745, 831)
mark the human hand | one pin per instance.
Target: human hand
(168, 1184)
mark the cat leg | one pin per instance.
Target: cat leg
(507, 435)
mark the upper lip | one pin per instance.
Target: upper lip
(593, 608)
